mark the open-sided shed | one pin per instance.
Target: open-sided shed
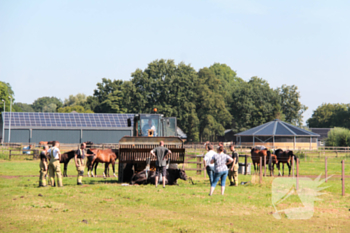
(278, 134)
(32, 127)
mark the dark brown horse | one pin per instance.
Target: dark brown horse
(149, 177)
(284, 157)
(106, 156)
(65, 158)
(256, 154)
(89, 144)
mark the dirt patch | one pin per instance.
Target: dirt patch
(9, 177)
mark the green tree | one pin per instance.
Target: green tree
(75, 108)
(291, 107)
(108, 97)
(338, 137)
(330, 115)
(24, 107)
(73, 100)
(171, 89)
(47, 104)
(211, 106)
(254, 103)
(5, 93)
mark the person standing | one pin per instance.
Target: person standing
(147, 127)
(79, 163)
(207, 158)
(54, 165)
(161, 153)
(43, 167)
(220, 160)
(233, 167)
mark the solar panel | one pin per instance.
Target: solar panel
(66, 120)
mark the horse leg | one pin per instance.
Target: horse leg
(91, 167)
(105, 171)
(279, 168)
(113, 166)
(289, 167)
(282, 169)
(96, 164)
(65, 170)
(254, 168)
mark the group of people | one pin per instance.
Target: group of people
(53, 155)
(219, 165)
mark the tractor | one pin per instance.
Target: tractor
(148, 131)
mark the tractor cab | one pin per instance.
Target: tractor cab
(154, 125)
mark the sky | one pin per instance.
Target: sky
(65, 47)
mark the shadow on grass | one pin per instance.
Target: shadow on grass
(101, 182)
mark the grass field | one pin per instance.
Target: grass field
(103, 205)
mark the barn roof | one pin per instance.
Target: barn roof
(65, 120)
(277, 128)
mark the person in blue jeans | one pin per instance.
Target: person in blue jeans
(221, 171)
(207, 159)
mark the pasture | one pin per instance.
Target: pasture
(103, 205)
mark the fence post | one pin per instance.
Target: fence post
(204, 168)
(342, 178)
(245, 164)
(199, 166)
(325, 168)
(297, 174)
(260, 171)
(270, 165)
(293, 165)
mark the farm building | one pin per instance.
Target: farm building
(229, 136)
(33, 127)
(278, 134)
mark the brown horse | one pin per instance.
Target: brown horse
(272, 161)
(107, 156)
(256, 154)
(43, 143)
(65, 158)
(284, 157)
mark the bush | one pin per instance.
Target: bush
(4, 156)
(338, 137)
(300, 154)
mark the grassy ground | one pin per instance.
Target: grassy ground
(103, 205)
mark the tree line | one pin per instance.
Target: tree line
(205, 102)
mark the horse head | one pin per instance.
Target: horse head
(182, 174)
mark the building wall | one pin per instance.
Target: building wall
(284, 145)
(105, 136)
(18, 135)
(66, 136)
(63, 136)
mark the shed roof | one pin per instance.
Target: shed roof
(277, 128)
(65, 120)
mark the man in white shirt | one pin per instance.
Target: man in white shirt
(54, 155)
(147, 127)
(207, 158)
